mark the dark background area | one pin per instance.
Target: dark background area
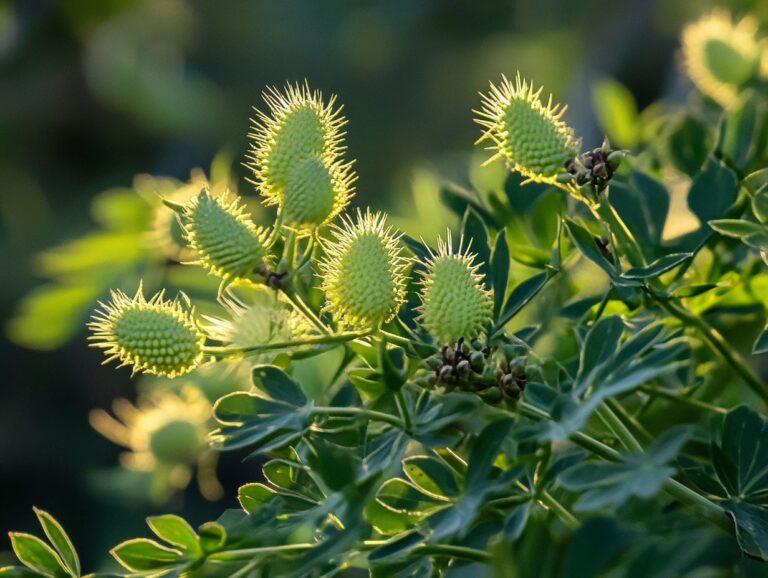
(93, 92)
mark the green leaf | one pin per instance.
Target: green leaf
(213, 536)
(248, 419)
(392, 363)
(19, 572)
(404, 497)
(484, 451)
(742, 133)
(142, 554)
(689, 144)
(600, 344)
(751, 527)
(642, 202)
(59, 540)
(473, 229)
(520, 296)
(755, 181)
(253, 496)
(176, 531)
(760, 204)
(37, 555)
(585, 242)
(761, 343)
(594, 546)
(610, 485)
(713, 191)
(278, 385)
(658, 267)
(458, 200)
(431, 476)
(741, 458)
(500, 266)
(616, 111)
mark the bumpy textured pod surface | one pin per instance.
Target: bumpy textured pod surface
(363, 272)
(721, 55)
(315, 192)
(530, 136)
(454, 302)
(298, 125)
(230, 245)
(154, 336)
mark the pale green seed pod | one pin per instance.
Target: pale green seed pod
(177, 441)
(530, 136)
(315, 192)
(155, 336)
(298, 126)
(454, 302)
(720, 56)
(229, 244)
(363, 272)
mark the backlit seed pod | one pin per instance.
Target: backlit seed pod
(315, 192)
(256, 316)
(154, 336)
(454, 302)
(363, 272)
(299, 125)
(177, 441)
(720, 56)
(530, 136)
(230, 245)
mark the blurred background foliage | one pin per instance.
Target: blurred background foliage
(97, 95)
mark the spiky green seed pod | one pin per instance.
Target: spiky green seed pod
(530, 136)
(363, 272)
(299, 125)
(154, 336)
(454, 302)
(315, 192)
(721, 56)
(230, 245)
(178, 441)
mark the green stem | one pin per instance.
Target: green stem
(619, 429)
(222, 352)
(395, 339)
(716, 342)
(552, 504)
(705, 507)
(444, 550)
(305, 310)
(403, 409)
(632, 423)
(361, 412)
(679, 398)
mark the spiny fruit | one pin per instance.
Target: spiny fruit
(529, 135)
(316, 191)
(721, 56)
(230, 245)
(299, 125)
(454, 302)
(363, 272)
(154, 336)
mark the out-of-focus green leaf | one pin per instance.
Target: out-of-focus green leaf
(616, 111)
